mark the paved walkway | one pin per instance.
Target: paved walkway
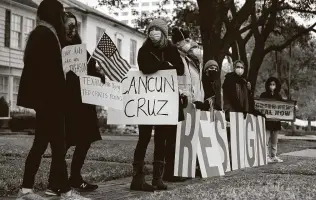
(305, 137)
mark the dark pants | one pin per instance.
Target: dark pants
(170, 150)
(49, 130)
(78, 159)
(161, 133)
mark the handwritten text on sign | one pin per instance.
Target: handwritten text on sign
(75, 59)
(276, 110)
(148, 99)
(94, 92)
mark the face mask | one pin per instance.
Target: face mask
(239, 71)
(272, 87)
(212, 74)
(155, 35)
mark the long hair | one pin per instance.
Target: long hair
(52, 12)
(76, 39)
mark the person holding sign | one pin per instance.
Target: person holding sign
(42, 88)
(272, 92)
(81, 119)
(157, 53)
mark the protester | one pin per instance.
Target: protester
(157, 53)
(212, 87)
(42, 88)
(272, 92)
(81, 119)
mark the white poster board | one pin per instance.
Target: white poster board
(148, 99)
(74, 59)
(94, 92)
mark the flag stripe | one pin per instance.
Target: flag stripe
(112, 68)
(104, 64)
(121, 68)
(117, 57)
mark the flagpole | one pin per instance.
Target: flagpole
(95, 48)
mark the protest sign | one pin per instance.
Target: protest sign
(276, 110)
(74, 59)
(148, 99)
(186, 143)
(108, 94)
(207, 138)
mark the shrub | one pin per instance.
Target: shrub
(22, 120)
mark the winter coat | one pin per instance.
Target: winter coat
(42, 84)
(236, 94)
(212, 88)
(81, 119)
(272, 125)
(151, 59)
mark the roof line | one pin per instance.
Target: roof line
(108, 18)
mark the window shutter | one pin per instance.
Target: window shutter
(7, 33)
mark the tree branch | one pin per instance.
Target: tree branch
(271, 21)
(288, 42)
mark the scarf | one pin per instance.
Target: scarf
(51, 28)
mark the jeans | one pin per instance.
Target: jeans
(49, 130)
(145, 131)
(77, 162)
(272, 142)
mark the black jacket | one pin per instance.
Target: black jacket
(272, 125)
(151, 59)
(212, 88)
(42, 83)
(81, 119)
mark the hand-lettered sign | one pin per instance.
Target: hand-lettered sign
(75, 59)
(276, 110)
(148, 99)
(108, 94)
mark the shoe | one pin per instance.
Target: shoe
(73, 196)
(269, 160)
(276, 159)
(157, 182)
(84, 187)
(138, 182)
(52, 192)
(29, 196)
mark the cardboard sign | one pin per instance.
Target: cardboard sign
(74, 58)
(94, 92)
(208, 134)
(186, 143)
(276, 110)
(148, 99)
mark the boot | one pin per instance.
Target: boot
(138, 182)
(157, 176)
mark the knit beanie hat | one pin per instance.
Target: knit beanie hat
(210, 63)
(179, 34)
(161, 24)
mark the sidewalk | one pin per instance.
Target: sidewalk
(305, 137)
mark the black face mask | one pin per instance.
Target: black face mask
(212, 74)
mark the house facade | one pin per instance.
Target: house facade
(18, 19)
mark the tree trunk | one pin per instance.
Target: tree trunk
(255, 63)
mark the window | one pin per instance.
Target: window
(124, 13)
(100, 31)
(4, 87)
(119, 45)
(156, 3)
(145, 4)
(16, 85)
(135, 5)
(79, 28)
(16, 31)
(125, 21)
(133, 52)
(28, 27)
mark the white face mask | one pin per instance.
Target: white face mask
(155, 35)
(239, 71)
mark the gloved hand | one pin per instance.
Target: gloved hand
(198, 105)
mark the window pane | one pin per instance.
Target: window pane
(119, 45)
(16, 84)
(156, 3)
(145, 4)
(124, 13)
(4, 87)
(133, 52)
(16, 31)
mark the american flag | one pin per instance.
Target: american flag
(108, 57)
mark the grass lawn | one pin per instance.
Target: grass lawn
(111, 159)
